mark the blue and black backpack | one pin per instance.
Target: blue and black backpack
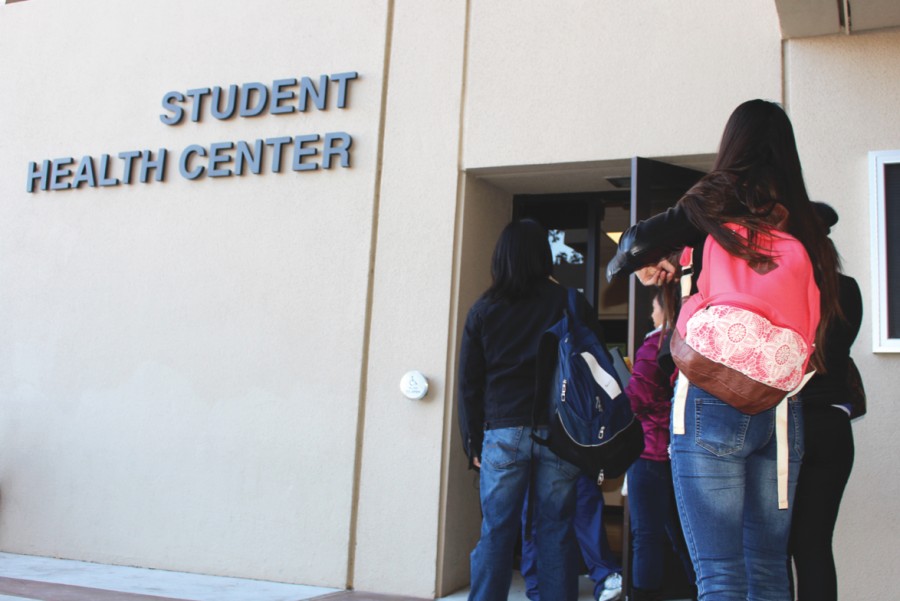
(591, 424)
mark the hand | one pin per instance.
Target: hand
(657, 275)
(476, 461)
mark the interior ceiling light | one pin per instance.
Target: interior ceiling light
(614, 236)
(622, 182)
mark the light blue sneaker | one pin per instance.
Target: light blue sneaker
(612, 588)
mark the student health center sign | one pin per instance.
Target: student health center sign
(302, 152)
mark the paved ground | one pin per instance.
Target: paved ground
(27, 578)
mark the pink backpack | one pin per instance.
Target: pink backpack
(746, 336)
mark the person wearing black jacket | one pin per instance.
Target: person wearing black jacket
(497, 366)
(828, 456)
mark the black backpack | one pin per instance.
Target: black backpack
(591, 424)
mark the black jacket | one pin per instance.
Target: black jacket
(497, 360)
(653, 239)
(830, 388)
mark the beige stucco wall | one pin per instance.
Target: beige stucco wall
(204, 375)
(483, 212)
(400, 483)
(180, 361)
(842, 97)
(604, 80)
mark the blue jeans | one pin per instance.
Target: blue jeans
(725, 478)
(510, 461)
(654, 523)
(591, 536)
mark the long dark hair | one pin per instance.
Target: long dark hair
(756, 176)
(669, 298)
(520, 262)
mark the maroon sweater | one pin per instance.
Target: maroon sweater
(651, 398)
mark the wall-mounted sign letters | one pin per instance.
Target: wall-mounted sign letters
(302, 152)
(253, 99)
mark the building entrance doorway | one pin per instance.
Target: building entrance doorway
(584, 233)
(584, 230)
(586, 207)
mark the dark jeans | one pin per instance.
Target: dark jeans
(510, 462)
(590, 533)
(654, 523)
(823, 476)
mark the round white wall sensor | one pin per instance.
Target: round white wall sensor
(414, 385)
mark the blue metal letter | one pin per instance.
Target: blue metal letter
(104, 171)
(330, 149)
(186, 156)
(197, 95)
(168, 103)
(85, 173)
(279, 94)
(35, 173)
(277, 145)
(147, 163)
(342, 79)
(254, 159)
(300, 152)
(215, 157)
(308, 89)
(128, 157)
(56, 173)
(228, 113)
(246, 94)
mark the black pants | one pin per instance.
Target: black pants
(827, 462)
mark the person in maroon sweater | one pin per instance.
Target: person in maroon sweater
(651, 500)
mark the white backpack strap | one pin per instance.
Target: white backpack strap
(781, 441)
(681, 390)
(687, 272)
(681, 385)
(781, 453)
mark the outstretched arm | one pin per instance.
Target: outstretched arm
(645, 246)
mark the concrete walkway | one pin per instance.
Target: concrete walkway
(28, 578)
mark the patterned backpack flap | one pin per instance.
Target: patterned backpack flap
(747, 335)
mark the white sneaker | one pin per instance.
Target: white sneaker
(612, 588)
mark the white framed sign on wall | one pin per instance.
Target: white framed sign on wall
(884, 191)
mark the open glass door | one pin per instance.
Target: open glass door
(577, 223)
(655, 186)
(572, 220)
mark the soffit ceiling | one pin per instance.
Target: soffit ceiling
(807, 18)
(593, 176)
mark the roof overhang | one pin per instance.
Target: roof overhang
(808, 18)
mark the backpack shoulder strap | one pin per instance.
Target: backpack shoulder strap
(687, 271)
(545, 369)
(572, 305)
(546, 364)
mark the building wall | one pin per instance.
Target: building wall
(484, 211)
(611, 80)
(203, 375)
(842, 98)
(180, 360)
(413, 289)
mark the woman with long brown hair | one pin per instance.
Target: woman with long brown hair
(725, 463)
(651, 497)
